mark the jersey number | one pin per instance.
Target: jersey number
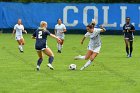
(40, 34)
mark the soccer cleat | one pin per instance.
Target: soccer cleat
(128, 55)
(59, 51)
(77, 57)
(82, 68)
(50, 66)
(21, 51)
(38, 68)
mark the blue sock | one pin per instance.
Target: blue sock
(51, 58)
(39, 61)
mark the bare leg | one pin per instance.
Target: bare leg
(127, 48)
(39, 60)
(92, 57)
(49, 53)
(87, 56)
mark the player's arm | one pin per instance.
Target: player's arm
(83, 39)
(13, 33)
(55, 31)
(34, 35)
(124, 30)
(132, 29)
(53, 36)
(64, 29)
(24, 31)
(102, 28)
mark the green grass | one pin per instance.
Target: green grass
(111, 71)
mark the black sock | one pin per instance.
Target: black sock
(39, 61)
(51, 58)
(127, 50)
(131, 47)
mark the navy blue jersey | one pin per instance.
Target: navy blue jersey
(126, 28)
(41, 38)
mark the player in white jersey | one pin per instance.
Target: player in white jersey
(93, 46)
(18, 29)
(60, 29)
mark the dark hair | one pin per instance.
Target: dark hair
(128, 18)
(90, 26)
(59, 19)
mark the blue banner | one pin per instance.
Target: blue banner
(74, 16)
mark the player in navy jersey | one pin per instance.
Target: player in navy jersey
(128, 30)
(41, 46)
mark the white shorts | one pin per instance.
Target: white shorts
(18, 37)
(96, 50)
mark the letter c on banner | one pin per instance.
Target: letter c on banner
(65, 15)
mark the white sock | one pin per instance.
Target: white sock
(88, 63)
(20, 47)
(80, 57)
(59, 47)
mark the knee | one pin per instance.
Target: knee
(52, 55)
(40, 58)
(86, 58)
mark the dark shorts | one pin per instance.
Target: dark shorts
(129, 37)
(39, 48)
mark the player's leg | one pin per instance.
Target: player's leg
(127, 47)
(60, 45)
(92, 57)
(131, 47)
(39, 60)
(49, 53)
(87, 56)
(22, 42)
(20, 45)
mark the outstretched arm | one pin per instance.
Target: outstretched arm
(102, 28)
(25, 31)
(52, 35)
(83, 39)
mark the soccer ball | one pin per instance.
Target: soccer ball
(72, 67)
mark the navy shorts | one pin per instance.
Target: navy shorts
(129, 37)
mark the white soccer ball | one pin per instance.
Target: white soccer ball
(72, 67)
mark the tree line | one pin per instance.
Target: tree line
(75, 1)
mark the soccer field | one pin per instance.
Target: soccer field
(111, 71)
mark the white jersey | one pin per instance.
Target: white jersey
(19, 29)
(95, 40)
(59, 29)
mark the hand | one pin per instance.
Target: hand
(61, 32)
(128, 30)
(25, 31)
(59, 40)
(124, 30)
(101, 26)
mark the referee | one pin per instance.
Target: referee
(128, 30)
